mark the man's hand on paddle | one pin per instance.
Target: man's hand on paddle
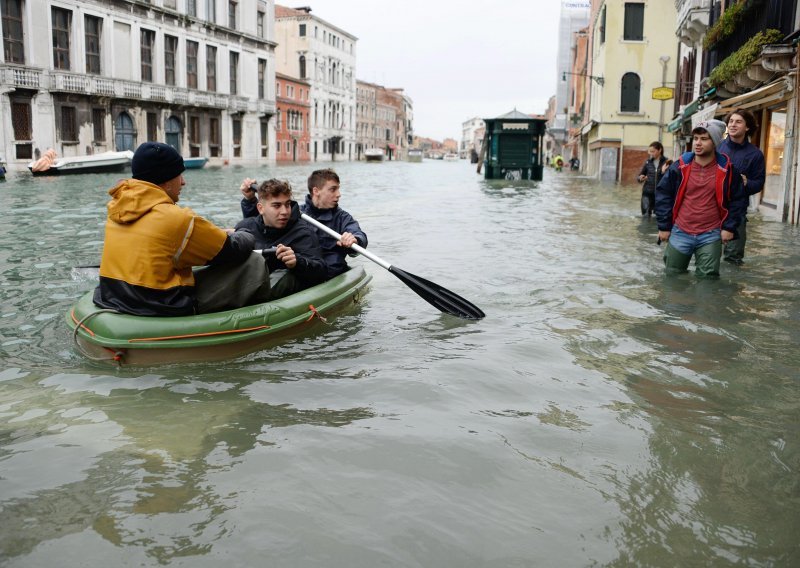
(286, 256)
(347, 241)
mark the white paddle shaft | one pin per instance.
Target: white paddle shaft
(360, 250)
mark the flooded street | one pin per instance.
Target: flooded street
(600, 415)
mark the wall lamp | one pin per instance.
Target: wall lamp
(599, 80)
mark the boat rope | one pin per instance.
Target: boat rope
(315, 313)
(204, 334)
(116, 355)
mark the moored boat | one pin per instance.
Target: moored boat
(374, 154)
(49, 165)
(414, 155)
(450, 157)
(124, 339)
(194, 163)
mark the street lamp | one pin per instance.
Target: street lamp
(664, 59)
(599, 80)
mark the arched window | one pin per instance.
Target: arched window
(173, 132)
(302, 66)
(629, 99)
(124, 132)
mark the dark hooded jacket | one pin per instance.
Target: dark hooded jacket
(300, 236)
(337, 219)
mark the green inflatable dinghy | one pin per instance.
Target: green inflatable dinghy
(104, 335)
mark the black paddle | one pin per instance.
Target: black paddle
(440, 298)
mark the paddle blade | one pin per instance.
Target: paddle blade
(440, 298)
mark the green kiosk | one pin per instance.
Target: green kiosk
(512, 147)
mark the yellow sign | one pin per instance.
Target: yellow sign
(663, 93)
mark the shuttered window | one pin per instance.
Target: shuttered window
(634, 21)
(631, 87)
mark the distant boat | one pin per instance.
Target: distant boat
(95, 163)
(374, 154)
(414, 155)
(450, 157)
(194, 163)
(2, 168)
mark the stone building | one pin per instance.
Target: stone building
(89, 76)
(382, 120)
(292, 135)
(316, 51)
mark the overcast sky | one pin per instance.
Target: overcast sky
(455, 59)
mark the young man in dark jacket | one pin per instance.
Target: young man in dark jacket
(297, 263)
(322, 203)
(699, 204)
(651, 175)
(749, 162)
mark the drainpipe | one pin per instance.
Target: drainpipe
(621, 154)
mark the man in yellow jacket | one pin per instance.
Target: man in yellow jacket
(151, 245)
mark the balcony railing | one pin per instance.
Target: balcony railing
(66, 82)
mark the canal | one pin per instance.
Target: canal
(601, 414)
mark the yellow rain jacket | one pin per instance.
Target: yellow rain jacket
(151, 245)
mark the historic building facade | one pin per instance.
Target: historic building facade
(87, 76)
(316, 51)
(292, 136)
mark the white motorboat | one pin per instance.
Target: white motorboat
(95, 163)
(450, 157)
(374, 154)
(414, 155)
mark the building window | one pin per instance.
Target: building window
(92, 32)
(603, 25)
(213, 137)
(69, 128)
(194, 136)
(148, 39)
(232, 14)
(170, 4)
(99, 124)
(631, 85)
(211, 68)
(260, 24)
(191, 8)
(264, 137)
(191, 63)
(237, 137)
(302, 30)
(170, 51)
(634, 21)
(234, 66)
(262, 76)
(278, 126)
(302, 66)
(211, 11)
(13, 43)
(62, 22)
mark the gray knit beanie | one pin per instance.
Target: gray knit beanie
(715, 129)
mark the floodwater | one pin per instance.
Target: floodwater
(600, 415)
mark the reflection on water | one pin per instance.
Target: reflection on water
(601, 414)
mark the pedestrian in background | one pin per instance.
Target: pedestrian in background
(749, 162)
(651, 174)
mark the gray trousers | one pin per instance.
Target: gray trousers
(226, 287)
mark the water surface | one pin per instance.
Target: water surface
(601, 414)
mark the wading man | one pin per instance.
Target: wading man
(749, 162)
(699, 204)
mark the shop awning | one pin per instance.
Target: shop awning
(761, 97)
(391, 146)
(675, 124)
